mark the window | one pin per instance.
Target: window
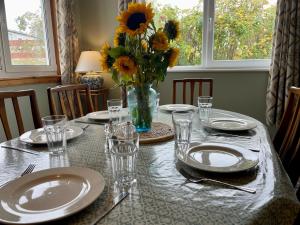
(221, 33)
(26, 36)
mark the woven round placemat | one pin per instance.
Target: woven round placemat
(159, 132)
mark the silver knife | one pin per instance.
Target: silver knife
(20, 149)
(89, 122)
(115, 202)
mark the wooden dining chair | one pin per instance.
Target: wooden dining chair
(14, 95)
(287, 138)
(204, 84)
(69, 99)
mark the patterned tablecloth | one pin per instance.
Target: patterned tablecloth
(160, 195)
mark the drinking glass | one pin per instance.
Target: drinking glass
(114, 109)
(55, 130)
(205, 105)
(124, 146)
(109, 129)
(182, 122)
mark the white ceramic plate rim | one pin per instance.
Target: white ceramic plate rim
(77, 131)
(94, 178)
(249, 159)
(104, 115)
(177, 107)
(245, 124)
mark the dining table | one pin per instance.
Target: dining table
(161, 194)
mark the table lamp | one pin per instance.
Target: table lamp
(89, 67)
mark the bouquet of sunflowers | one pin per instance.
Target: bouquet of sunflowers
(140, 56)
(141, 52)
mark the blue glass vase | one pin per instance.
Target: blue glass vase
(141, 103)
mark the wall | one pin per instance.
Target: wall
(42, 100)
(242, 92)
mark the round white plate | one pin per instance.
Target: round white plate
(219, 158)
(230, 124)
(177, 107)
(38, 136)
(104, 115)
(49, 194)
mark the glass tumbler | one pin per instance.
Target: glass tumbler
(114, 107)
(55, 131)
(205, 105)
(124, 146)
(182, 122)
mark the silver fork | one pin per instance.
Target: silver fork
(28, 170)
(190, 179)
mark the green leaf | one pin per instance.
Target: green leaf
(115, 76)
(116, 52)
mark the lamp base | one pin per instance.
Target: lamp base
(93, 80)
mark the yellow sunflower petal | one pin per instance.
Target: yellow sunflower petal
(125, 65)
(105, 58)
(173, 58)
(136, 19)
(159, 41)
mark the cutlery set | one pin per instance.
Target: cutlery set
(198, 180)
(28, 170)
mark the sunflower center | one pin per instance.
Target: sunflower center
(135, 20)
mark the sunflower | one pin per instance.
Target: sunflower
(159, 41)
(173, 56)
(125, 65)
(120, 38)
(106, 60)
(172, 29)
(136, 19)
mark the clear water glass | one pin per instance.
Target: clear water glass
(55, 130)
(114, 107)
(109, 129)
(182, 122)
(205, 106)
(124, 146)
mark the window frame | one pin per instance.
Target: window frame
(13, 70)
(208, 63)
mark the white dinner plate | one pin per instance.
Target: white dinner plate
(49, 194)
(177, 107)
(230, 124)
(104, 115)
(219, 158)
(38, 136)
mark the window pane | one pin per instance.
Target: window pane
(26, 33)
(190, 15)
(243, 29)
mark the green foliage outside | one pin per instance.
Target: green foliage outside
(31, 23)
(242, 29)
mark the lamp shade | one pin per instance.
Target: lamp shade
(89, 61)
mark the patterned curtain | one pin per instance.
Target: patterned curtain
(284, 71)
(122, 5)
(68, 43)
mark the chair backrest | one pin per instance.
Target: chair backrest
(192, 82)
(287, 138)
(69, 99)
(13, 95)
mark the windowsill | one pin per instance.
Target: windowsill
(197, 69)
(41, 79)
